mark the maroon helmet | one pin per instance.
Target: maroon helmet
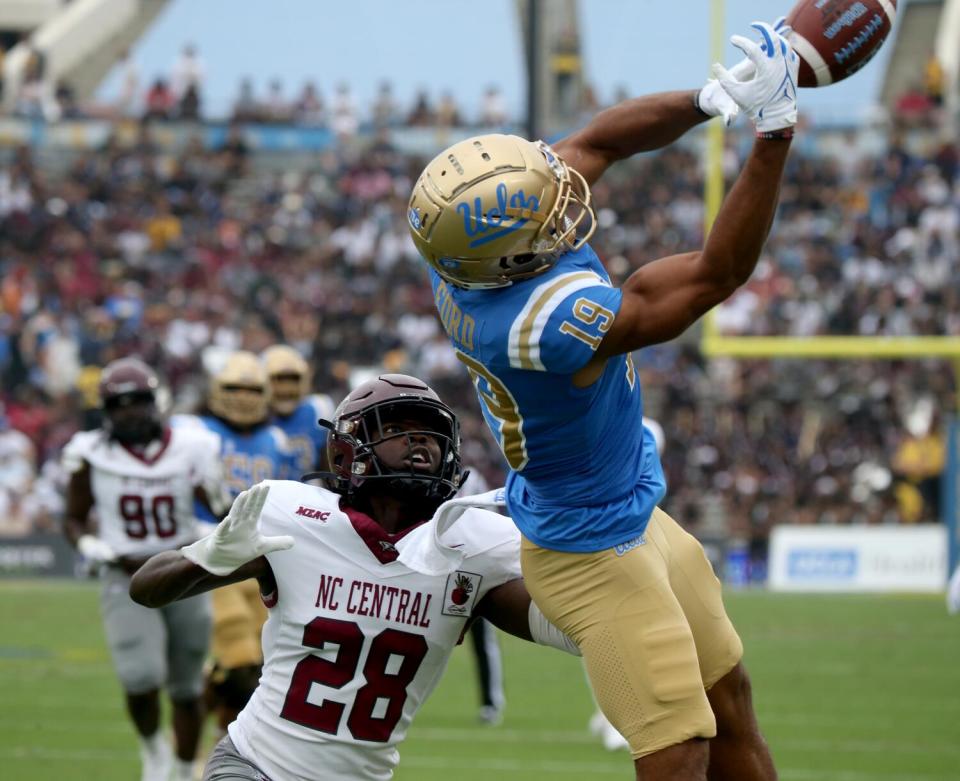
(128, 396)
(357, 428)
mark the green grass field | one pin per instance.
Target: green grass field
(847, 689)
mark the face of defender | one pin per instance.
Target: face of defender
(408, 446)
(133, 418)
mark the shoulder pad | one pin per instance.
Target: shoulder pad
(78, 449)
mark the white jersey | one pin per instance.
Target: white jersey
(145, 502)
(356, 639)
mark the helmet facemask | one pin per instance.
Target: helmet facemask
(133, 418)
(286, 392)
(360, 470)
(240, 391)
(289, 377)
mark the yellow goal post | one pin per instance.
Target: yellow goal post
(713, 344)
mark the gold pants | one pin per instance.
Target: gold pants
(238, 618)
(650, 622)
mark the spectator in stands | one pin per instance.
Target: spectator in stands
(933, 80)
(223, 253)
(386, 112)
(422, 113)
(246, 107)
(128, 96)
(448, 115)
(159, 101)
(343, 112)
(913, 107)
(188, 71)
(18, 471)
(493, 109)
(189, 106)
(309, 109)
(36, 98)
(276, 108)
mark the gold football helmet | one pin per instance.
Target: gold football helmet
(240, 391)
(289, 378)
(495, 209)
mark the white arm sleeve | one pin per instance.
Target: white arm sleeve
(545, 633)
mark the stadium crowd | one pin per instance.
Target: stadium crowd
(137, 249)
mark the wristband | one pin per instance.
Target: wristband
(776, 135)
(696, 104)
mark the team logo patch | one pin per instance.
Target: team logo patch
(415, 220)
(629, 545)
(310, 512)
(460, 594)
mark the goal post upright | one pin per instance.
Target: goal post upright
(715, 345)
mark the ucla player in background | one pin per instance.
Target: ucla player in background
(142, 479)
(251, 450)
(295, 410)
(504, 225)
(358, 634)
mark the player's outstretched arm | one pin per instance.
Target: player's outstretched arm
(663, 298)
(234, 551)
(633, 126)
(510, 608)
(169, 576)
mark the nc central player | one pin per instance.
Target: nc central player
(142, 477)
(357, 636)
(504, 224)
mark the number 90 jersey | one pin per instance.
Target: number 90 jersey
(145, 502)
(357, 640)
(585, 473)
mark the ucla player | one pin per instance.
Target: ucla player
(359, 633)
(504, 225)
(141, 478)
(251, 450)
(295, 410)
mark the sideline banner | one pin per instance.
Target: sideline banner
(36, 555)
(858, 558)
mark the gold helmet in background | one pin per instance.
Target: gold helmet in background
(495, 209)
(289, 377)
(240, 391)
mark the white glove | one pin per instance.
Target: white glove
(95, 550)
(770, 97)
(236, 540)
(714, 102)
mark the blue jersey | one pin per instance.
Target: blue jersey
(304, 436)
(261, 453)
(585, 473)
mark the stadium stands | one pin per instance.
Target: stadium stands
(164, 243)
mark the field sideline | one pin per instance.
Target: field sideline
(847, 688)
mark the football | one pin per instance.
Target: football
(836, 38)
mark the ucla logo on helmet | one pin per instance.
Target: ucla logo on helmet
(413, 215)
(449, 262)
(479, 221)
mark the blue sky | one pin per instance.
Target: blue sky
(646, 45)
